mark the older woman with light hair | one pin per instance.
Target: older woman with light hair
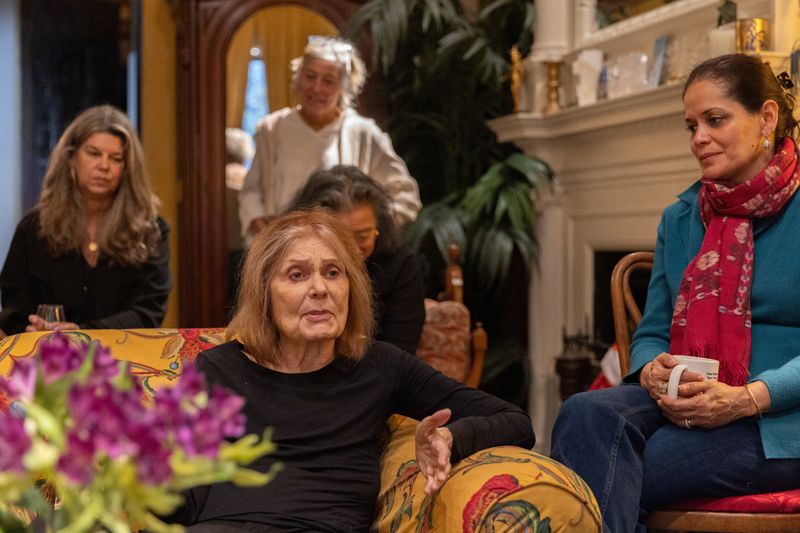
(363, 205)
(322, 131)
(94, 243)
(305, 362)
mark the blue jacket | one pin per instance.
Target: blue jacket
(775, 301)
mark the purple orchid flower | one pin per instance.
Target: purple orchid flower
(14, 442)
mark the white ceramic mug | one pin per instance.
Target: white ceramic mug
(709, 368)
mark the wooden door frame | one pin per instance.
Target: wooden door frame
(204, 31)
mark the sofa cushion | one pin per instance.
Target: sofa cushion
(157, 354)
(487, 491)
(484, 492)
(787, 501)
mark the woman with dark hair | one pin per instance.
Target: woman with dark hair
(394, 270)
(94, 243)
(725, 285)
(304, 360)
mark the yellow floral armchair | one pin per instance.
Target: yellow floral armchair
(499, 489)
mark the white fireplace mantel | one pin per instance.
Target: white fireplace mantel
(526, 128)
(617, 163)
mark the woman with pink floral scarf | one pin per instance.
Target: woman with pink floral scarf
(725, 285)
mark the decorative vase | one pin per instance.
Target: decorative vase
(586, 70)
(752, 35)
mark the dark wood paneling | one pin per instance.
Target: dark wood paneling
(73, 57)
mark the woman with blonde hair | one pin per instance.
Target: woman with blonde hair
(322, 131)
(94, 243)
(304, 360)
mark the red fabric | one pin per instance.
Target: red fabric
(600, 382)
(609, 375)
(712, 311)
(771, 502)
(485, 497)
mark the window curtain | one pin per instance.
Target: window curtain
(281, 33)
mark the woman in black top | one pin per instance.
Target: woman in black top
(95, 243)
(394, 269)
(305, 362)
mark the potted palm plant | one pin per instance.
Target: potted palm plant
(447, 74)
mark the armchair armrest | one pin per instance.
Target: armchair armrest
(482, 493)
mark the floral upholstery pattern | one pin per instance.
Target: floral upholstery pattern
(155, 354)
(499, 489)
(505, 488)
(444, 343)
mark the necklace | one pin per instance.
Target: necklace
(93, 247)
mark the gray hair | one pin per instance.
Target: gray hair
(238, 145)
(353, 72)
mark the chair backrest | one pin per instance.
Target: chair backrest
(448, 343)
(627, 314)
(753, 513)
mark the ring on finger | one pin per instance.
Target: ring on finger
(687, 423)
(662, 387)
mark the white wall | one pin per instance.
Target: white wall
(10, 125)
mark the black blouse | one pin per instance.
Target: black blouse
(328, 426)
(399, 297)
(107, 296)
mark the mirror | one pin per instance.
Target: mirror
(608, 12)
(205, 30)
(597, 21)
(258, 80)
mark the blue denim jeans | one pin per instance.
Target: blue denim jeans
(635, 460)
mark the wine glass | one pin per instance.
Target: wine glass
(50, 313)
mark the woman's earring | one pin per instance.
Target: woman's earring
(766, 144)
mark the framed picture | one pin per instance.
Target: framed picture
(658, 69)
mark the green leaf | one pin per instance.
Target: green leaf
(154, 525)
(33, 500)
(440, 222)
(489, 256)
(248, 448)
(88, 362)
(244, 477)
(520, 207)
(49, 427)
(9, 523)
(84, 520)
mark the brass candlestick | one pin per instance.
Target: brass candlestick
(517, 70)
(553, 83)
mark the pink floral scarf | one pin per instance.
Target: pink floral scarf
(711, 317)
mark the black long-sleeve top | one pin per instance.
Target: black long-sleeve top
(108, 295)
(328, 425)
(399, 297)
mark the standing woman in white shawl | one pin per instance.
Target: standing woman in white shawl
(321, 132)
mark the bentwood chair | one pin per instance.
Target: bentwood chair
(775, 512)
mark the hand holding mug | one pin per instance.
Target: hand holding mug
(708, 369)
(655, 375)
